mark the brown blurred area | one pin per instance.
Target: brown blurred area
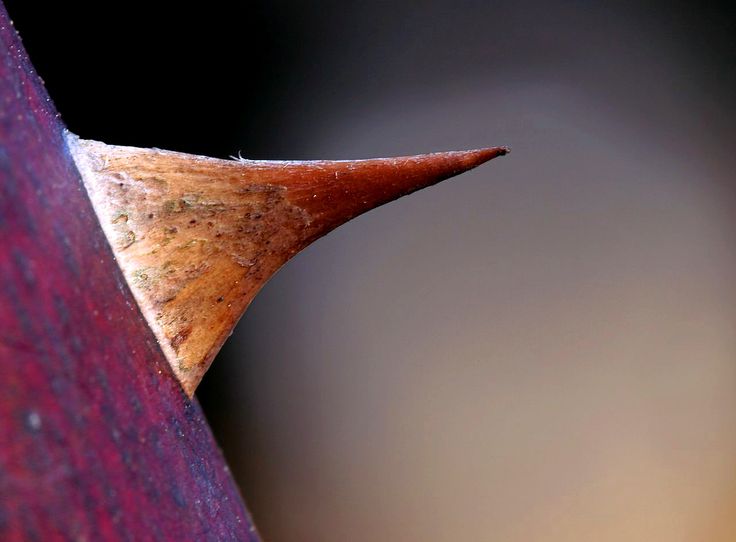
(543, 349)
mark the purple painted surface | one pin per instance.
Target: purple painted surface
(97, 439)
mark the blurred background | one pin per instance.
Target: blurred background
(541, 350)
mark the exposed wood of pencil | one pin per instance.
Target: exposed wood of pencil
(197, 237)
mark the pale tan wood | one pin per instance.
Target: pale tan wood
(196, 237)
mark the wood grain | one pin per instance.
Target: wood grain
(198, 237)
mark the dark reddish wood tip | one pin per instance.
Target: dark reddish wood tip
(333, 192)
(476, 157)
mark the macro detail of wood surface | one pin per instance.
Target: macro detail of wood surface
(197, 237)
(122, 273)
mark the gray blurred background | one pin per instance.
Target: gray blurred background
(543, 349)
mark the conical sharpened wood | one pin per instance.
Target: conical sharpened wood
(196, 237)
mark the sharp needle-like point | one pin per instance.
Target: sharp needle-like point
(196, 237)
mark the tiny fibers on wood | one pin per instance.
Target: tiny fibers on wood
(197, 238)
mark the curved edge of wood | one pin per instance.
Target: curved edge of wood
(197, 237)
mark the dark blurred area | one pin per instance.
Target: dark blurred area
(543, 349)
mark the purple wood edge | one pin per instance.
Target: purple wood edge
(97, 439)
